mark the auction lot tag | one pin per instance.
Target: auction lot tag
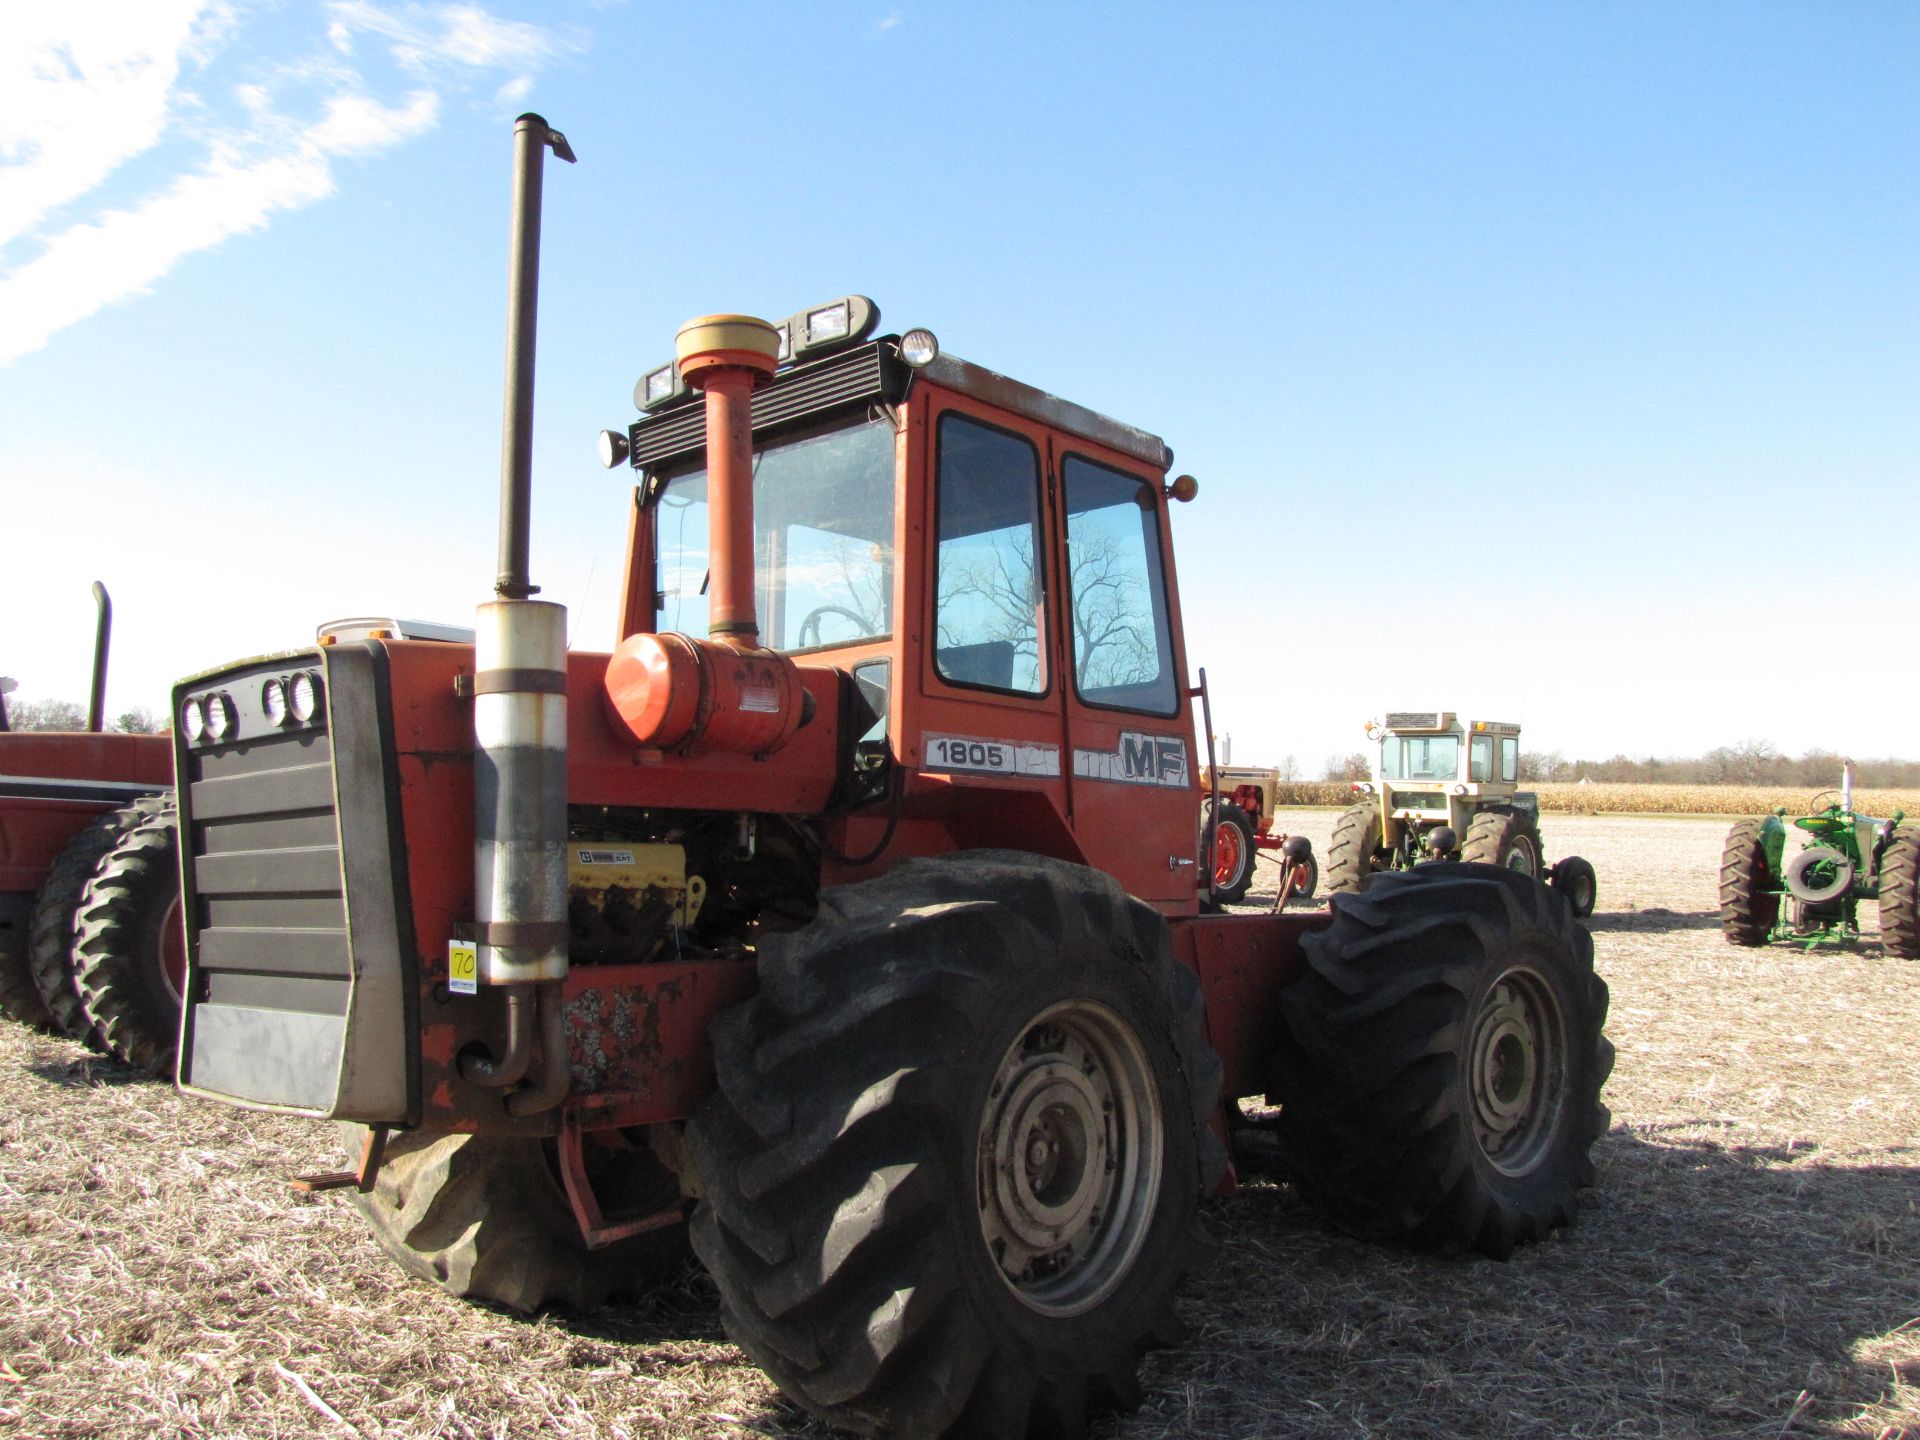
(463, 967)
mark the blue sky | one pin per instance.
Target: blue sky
(1551, 362)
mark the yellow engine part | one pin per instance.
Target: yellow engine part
(596, 868)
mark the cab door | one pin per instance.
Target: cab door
(1134, 777)
(989, 730)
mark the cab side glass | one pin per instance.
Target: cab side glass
(1480, 763)
(1122, 647)
(987, 615)
(1509, 757)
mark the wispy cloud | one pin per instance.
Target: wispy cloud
(892, 20)
(81, 98)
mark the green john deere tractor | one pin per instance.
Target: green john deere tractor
(1848, 857)
(1446, 789)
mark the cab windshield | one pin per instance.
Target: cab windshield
(1419, 757)
(822, 540)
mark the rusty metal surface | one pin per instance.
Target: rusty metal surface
(638, 1035)
(1243, 962)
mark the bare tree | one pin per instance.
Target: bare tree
(1351, 767)
(47, 715)
(1289, 768)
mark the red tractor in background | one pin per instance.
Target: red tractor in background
(90, 936)
(858, 940)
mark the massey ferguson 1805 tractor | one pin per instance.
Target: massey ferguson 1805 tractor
(1446, 789)
(90, 938)
(845, 919)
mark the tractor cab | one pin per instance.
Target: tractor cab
(1431, 768)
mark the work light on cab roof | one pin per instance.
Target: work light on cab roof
(803, 335)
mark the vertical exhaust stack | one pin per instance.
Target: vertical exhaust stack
(102, 636)
(520, 696)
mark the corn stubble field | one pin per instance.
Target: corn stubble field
(1747, 1265)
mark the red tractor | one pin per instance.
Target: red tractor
(90, 937)
(858, 940)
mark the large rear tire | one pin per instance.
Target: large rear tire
(55, 967)
(486, 1218)
(129, 948)
(1233, 852)
(952, 1172)
(19, 996)
(1504, 836)
(1900, 896)
(1355, 850)
(1443, 1056)
(1749, 907)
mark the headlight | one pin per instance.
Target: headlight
(303, 694)
(193, 720)
(1459, 789)
(220, 716)
(614, 447)
(919, 347)
(273, 701)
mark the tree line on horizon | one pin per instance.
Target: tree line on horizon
(1751, 762)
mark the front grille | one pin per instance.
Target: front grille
(271, 916)
(301, 991)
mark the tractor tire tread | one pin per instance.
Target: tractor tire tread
(1371, 1075)
(827, 1154)
(1748, 912)
(1900, 896)
(119, 944)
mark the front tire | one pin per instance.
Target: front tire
(486, 1218)
(1573, 877)
(1443, 1057)
(1749, 906)
(953, 1168)
(129, 948)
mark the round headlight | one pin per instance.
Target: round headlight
(1459, 789)
(220, 716)
(303, 694)
(614, 447)
(918, 347)
(273, 701)
(193, 719)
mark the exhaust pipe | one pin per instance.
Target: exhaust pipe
(520, 702)
(102, 634)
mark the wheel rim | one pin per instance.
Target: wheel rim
(173, 952)
(1229, 854)
(1517, 1066)
(1520, 855)
(1070, 1158)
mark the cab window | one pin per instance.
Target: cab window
(1509, 757)
(1480, 759)
(1122, 646)
(822, 540)
(988, 590)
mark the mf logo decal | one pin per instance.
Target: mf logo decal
(1139, 759)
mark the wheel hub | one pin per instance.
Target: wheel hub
(1516, 1068)
(1069, 1158)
